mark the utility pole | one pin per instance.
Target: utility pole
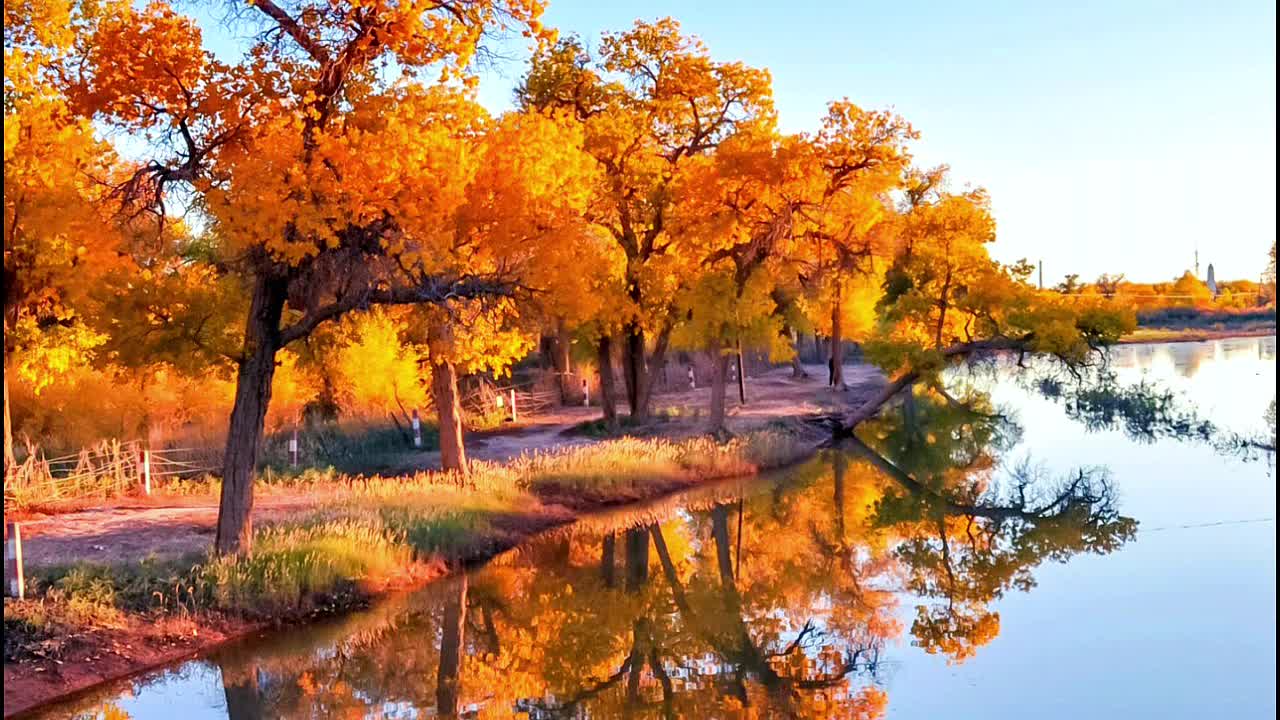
(1041, 274)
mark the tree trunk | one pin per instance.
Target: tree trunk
(719, 381)
(869, 408)
(10, 460)
(655, 365)
(253, 394)
(604, 357)
(797, 365)
(452, 636)
(444, 392)
(837, 341)
(570, 394)
(742, 376)
(633, 368)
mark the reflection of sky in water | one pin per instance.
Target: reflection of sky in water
(195, 688)
(1179, 623)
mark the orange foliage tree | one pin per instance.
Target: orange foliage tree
(332, 189)
(650, 103)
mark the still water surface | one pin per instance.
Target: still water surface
(1049, 557)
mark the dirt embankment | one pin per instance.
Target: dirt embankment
(129, 532)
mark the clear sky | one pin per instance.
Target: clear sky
(1113, 136)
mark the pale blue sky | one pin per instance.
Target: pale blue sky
(1113, 136)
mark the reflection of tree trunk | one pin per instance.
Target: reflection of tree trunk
(607, 560)
(637, 558)
(668, 690)
(451, 639)
(635, 664)
(909, 410)
(840, 464)
(244, 700)
(491, 631)
(444, 391)
(669, 569)
(248, 414)
(719, 368)
(720, 531)
(604, 357)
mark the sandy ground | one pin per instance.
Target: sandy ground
(177, 526)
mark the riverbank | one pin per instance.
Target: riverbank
(1170, 335)
(92, 622)
(1189, 324)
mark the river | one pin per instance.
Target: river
(1013, 548)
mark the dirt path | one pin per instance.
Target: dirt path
(130, 532)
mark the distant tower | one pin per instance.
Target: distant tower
(1197, 261)
(1213, 285)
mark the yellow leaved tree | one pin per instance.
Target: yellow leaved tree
(332, 185)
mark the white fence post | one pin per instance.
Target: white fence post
(146, 471)
(293, 447)
(586, 393)
(417, 429)
(16, 587)
(513, 404)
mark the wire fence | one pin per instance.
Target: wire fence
(108, 469)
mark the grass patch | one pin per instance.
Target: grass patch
(635, 462)
(292, 564)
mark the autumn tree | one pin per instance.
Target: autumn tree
(736, 211)
(1070, 285)
(1108, 285)
(946, 300)
(59, 238)
(1267, 289)
(650, 101)
(333, 189)
(860, 156)
(1189, 290)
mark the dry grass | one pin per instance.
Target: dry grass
(632, 462)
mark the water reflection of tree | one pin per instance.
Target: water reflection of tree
(1147, 412)
(966, 537)
(782, 601)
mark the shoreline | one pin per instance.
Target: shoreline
(36, 684)
(1174, 335)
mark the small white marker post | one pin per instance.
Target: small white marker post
(146, 471)
(693, 385)
(586, 393)
(513, 404)
(417, 429)
(16, 587)
(293, 447)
